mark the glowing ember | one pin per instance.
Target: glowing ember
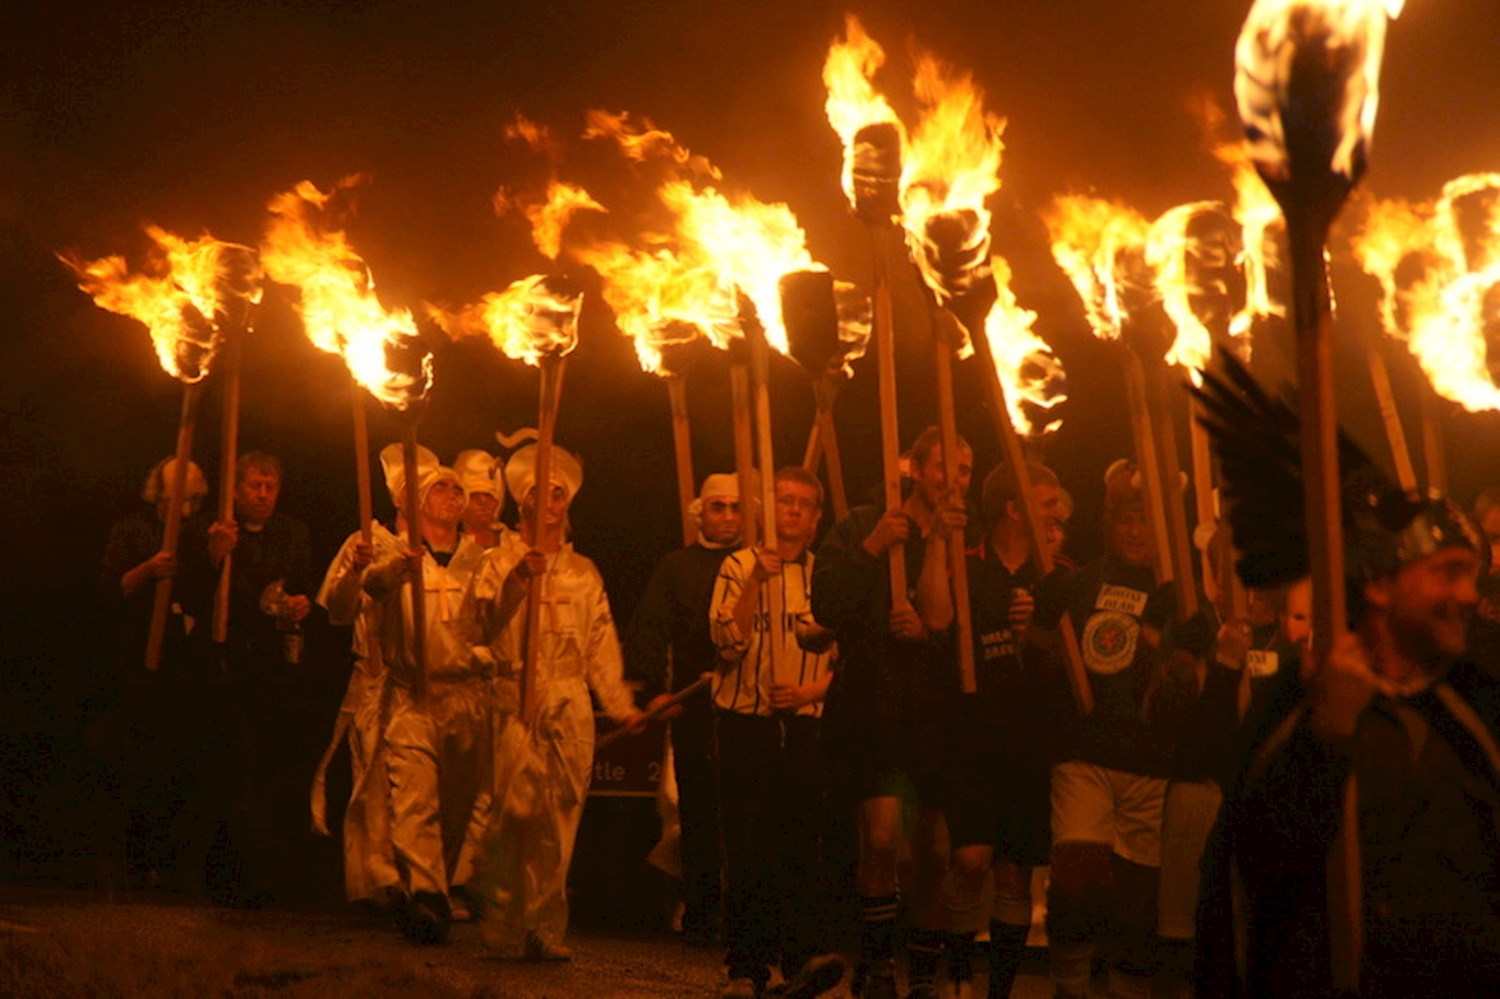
(853, 103)
(1297, 58)
(1030, 373)
(1439, 269)
(1098, 244)
(339, 308)
(526, 321)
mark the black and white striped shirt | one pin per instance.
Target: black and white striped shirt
(743, 681)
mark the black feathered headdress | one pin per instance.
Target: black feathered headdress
(1258, 440)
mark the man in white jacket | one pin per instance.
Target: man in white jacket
(438, 751)
(545, 761)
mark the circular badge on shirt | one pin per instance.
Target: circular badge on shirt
(1109, 642)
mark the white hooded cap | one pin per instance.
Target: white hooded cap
(520, 472)
(479, 472)
(720, 485)
(429, 473)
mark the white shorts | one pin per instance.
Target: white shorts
(1191, 810)
(1093, 804)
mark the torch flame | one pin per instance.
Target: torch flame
(1093, 241)
(339, 308)
(1345, 39)
(685, 282)
(644, 142)
(526, 321)
(853, 103)
(177, 303)
(551, 217)
(1259, 216)
(1168, 250)
(1438, 280)
(748, 244)
(1028, 370)
(950, 165)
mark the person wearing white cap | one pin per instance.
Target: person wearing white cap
(522, 870)
(437, 752)
(370, 872)
(668, 646)
(479, 473)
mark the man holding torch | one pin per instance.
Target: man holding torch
(888, 707)
(1109, 783)
(669, 645)
(479, 473)
(768, 709)
(270, 577)
(521, 871)
(370, 873)
(999, 796)
(437, 743)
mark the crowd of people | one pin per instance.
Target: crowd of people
(1196, 814)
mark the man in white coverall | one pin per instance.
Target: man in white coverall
(479, 473)
(438, 752)
(545, 762)
(370, 873)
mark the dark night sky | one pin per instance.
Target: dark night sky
(191, 114)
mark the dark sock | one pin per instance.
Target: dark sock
(1007, 948)
(960, 956)
(924, 949)
(877, 941)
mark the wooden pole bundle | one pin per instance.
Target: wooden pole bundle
(958, 560)
(172, 530)
(890, 432)
(414, 542)
(744, 447)
(373, 654)
(810, 313)
(876, 173)
(551, 392)
(228, 458)
(1174, 507)
(760, 370)
(1144, 435)
(682, 447)
(1036, 525)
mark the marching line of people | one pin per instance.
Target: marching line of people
(1187, 821)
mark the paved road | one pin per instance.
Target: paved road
(60, 943)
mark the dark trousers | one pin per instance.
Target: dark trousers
(698, 811)
(772, 804)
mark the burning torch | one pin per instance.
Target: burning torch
(1307, 83)
(201, 289)
(535, 320)
(381, 348)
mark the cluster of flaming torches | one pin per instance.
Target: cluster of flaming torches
(734, 274)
